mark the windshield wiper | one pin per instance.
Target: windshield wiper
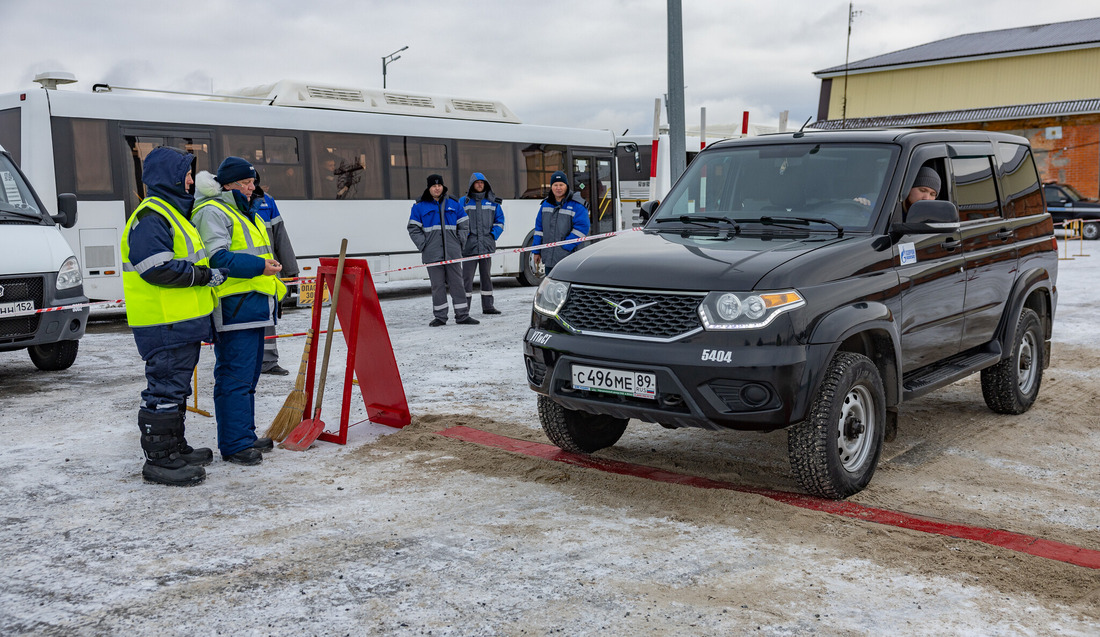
(22, 213)
(801, 221)
(701, 220)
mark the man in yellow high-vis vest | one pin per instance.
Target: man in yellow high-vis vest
(166, 278)
(237, 239)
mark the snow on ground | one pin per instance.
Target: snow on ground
(408, 533)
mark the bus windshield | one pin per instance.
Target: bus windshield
(841, 185)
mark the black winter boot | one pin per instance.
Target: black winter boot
(160, 440)
(201, 456)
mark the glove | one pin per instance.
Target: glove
(217, 277)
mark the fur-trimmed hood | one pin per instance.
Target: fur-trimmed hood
(207, 187)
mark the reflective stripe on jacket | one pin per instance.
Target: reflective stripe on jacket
(148, 304)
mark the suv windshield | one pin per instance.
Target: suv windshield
(839, 185)
(17, 201)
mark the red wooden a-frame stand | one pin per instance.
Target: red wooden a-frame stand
(370, 353)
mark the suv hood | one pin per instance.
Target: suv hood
(700, 260)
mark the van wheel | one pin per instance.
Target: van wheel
(1012, 385)
(1090, 230)
(834, 452)
(579, 431)
(54, 356)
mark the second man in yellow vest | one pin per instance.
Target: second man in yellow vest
(237, 240)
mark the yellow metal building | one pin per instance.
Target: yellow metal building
(1042, 82)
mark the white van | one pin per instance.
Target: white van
(37, 270)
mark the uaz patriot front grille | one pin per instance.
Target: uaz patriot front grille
(638, 314)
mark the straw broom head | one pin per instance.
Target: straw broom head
(290, 416)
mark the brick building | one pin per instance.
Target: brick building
(1040, 82)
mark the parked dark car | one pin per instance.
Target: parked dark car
(1064, 203)
(786, 283)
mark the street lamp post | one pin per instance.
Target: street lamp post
(390, 59)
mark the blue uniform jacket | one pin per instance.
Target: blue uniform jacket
(438, 228)
(558, 222)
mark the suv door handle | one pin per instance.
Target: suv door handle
(951, 244)
(1005, 234)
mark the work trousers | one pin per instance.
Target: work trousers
(168, 378)
(468, 269)
(271, 349)
(447, 279)
(236, 372)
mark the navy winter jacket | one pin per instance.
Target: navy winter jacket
(486, 218)
(164, 174)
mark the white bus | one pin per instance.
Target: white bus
(340, 162)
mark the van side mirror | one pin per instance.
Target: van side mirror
(929, 217)
(66, 210)
(648, 208)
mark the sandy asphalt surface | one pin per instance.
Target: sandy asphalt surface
(412, 533)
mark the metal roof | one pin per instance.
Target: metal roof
(987, 114)
(1074, 34)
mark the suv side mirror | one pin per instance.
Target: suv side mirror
(66, 210)
(929, 217)
(648, 208)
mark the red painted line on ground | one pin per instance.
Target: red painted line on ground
(1005, 539)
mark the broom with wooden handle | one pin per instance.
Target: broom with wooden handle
(295, 405)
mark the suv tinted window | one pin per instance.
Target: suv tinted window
(1021, 181)
(975, 189)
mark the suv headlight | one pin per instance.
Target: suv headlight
(69, 274)
(746, 310)
(550, 296)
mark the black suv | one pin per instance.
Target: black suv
(789, 281)
(1065, 203)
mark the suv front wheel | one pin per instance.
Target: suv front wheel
(834, 452)
(579, 431)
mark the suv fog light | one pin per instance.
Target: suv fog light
(754, 395)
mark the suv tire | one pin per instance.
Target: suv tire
(1012, 385)
(834, 452)
(579, 431)
(54, 357)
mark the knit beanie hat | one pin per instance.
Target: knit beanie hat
(235, 169)
(927, 178)
(435, 179)
(558, 176)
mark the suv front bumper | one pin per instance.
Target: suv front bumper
(758, 387)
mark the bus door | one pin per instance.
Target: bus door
(593, 180)
(139, 142)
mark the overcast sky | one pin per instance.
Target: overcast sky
(589, 63)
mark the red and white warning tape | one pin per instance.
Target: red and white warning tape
(121, 303)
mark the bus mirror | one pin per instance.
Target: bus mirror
(66, 210)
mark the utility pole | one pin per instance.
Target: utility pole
(390, 59)
(676, 141)
(847, 47)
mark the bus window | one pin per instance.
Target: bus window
(493, 159)
(276, 159)
(537, 163)
(346, 166)
(412, 160)
(10, 132)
